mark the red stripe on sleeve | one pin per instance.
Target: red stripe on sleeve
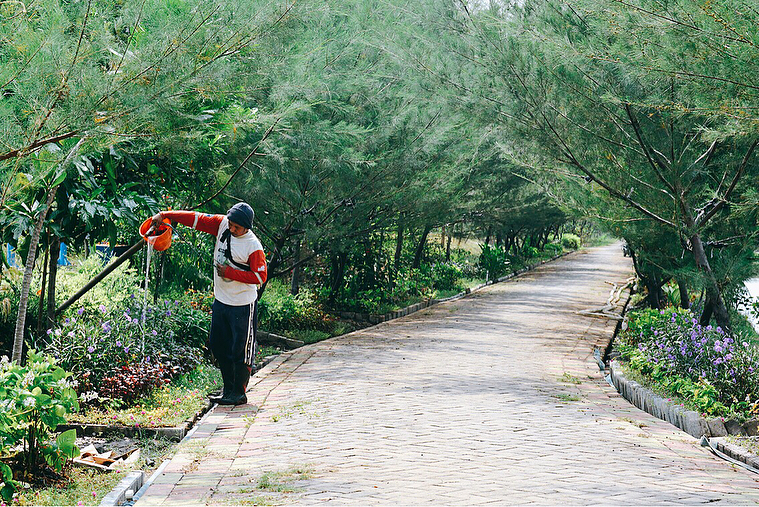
(257, 273)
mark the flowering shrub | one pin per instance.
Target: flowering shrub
(119, 352)
(132, 381)
(35, 400)
(670, 346)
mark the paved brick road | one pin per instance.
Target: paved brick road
(495, 398)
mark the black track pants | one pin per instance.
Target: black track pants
(233, 333)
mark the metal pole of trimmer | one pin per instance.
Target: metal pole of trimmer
(99, 277)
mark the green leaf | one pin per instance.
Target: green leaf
(59, 179)
(67, 443)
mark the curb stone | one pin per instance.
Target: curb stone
(174, 433)
(736, 452)
(689, 421)
(125, 489)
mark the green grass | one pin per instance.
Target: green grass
(308, 335)
(88, 485)
(599, 240)
(84, 485)
(566, 397)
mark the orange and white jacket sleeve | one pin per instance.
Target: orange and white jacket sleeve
(200, 221)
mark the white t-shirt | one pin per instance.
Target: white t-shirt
(232, 292)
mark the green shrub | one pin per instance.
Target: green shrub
(571, 241)
(446, 276)
(553, 249)
(494, 261)
(35, 399)
(278, 310)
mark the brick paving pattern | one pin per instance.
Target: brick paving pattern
(495, 398)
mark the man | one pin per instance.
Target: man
(239, 267)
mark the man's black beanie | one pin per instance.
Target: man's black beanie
(241, 214)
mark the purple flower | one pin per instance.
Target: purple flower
(107, 327)
(67, 320)
(90, 349)
(154, 333)
(49, 332)
(147, 359)
(70, 334)
(126, 350)
(118, 343)
(168, 313)
(102, 308)
(135, 321)
(80, 311)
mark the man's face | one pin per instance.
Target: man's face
(237, 230)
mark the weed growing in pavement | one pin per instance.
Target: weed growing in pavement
(281, 481)
(297, 408)
(566, 397)
(568, 378)
(633, 422)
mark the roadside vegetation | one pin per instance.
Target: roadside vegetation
(704, 367)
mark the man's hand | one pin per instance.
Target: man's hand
(157, 218)
(220, 269)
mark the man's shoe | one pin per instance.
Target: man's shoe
(233, 400)
(215, 397)
(228, 379)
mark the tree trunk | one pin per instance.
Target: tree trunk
(713, 293)
(23, 303)
(55, 251)
(43, 286)
(295, 281)
(487, 236)
(448, 247)
(420, 246)
(399, 244)
(682, 285)
(706, 315)
(655, 293)
(337, 274)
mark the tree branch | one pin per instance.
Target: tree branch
(720, 202)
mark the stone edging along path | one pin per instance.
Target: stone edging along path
(689, 421)
(376, 319)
